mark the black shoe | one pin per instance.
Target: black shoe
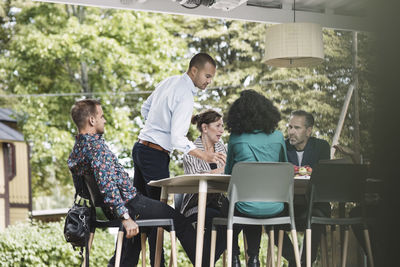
(253, 261)
(235, 261)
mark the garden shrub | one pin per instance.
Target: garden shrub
(42, 244)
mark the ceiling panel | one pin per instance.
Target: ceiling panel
(338, 14)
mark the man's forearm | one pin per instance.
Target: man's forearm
(197, 153)
(216, 157)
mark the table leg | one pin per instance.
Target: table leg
(200, 221)
(160, 231)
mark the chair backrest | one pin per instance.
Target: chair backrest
(338, 182)
(96, 197)
(261, 181)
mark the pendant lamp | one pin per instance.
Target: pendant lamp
(294, 44)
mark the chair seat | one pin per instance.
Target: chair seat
(156, 222)
(140, 223)
(337, 221)
(252, 221)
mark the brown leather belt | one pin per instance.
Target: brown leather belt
(154, 146)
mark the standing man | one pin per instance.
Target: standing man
(303, 149)
(168, 112)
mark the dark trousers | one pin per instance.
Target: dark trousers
(320, 209)
(221, 235)
(150, 164)
(252, 233)
(253, 236)
(142, 207)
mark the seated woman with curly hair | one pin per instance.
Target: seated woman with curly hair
(252, 121)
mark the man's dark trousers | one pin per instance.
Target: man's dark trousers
(150, 165)
(320, 209)
(142, 207)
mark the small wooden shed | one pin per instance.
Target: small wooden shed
(15, 180)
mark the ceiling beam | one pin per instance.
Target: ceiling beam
(243, 12)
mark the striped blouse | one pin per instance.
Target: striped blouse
(193, 165)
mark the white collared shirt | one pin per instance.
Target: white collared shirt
(168, 111)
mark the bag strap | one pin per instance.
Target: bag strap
(87, 249)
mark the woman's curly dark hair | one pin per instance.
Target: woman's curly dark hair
(252, 111)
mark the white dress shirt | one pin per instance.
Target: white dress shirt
(300, 156)
(168, 112)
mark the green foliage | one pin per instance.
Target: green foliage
(239, 47)
(39, 244)
(52, 48)
(119, 56)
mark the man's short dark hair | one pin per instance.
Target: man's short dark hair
(200, 59)
(309, 118)
(83, 109)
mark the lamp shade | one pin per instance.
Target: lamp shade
(294, 45)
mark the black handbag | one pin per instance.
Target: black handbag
(77, 226)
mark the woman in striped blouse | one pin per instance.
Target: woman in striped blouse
(211, 126)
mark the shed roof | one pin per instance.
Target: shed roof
(6, 115)
(9, 134)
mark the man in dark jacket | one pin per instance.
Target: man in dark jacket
(304, 150)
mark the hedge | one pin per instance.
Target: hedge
(42, 244)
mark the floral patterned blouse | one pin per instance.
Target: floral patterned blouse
(91, 156)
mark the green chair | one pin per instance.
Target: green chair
(342, 183)
(261, 182)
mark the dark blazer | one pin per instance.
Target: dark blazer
(315, 150)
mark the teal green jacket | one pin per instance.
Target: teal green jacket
(257, 146)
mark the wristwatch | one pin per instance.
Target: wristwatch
(125, 216)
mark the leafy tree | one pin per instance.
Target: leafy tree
(239, 47)
(111, 54)
(119, 57)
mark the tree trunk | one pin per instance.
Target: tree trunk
(85, 79)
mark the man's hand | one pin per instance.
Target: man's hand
(210, 157)
(217, 157)
(131, 227)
